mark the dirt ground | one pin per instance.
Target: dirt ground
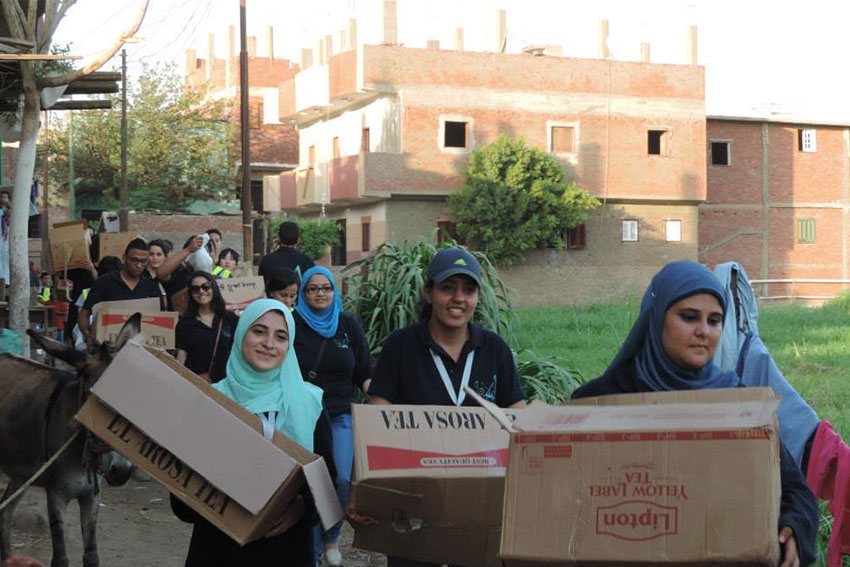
(135, 528)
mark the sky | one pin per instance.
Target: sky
(762, 57)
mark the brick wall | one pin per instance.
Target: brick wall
(755, 204)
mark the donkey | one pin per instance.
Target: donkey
(37, 405)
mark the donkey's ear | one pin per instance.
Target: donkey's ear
(131, 328)
(58, 350)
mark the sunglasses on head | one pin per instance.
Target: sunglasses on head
(207, 286)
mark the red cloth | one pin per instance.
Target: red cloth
(829, 478)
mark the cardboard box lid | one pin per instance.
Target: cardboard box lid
(143, 389)
(660, 417)
(141, 305)
(239, 292)
(715, 395)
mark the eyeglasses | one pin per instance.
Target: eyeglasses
(138, 261)
(315, 290)
(199, 288)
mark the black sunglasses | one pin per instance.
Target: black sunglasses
(199, 288)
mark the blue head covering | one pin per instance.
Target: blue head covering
(323, 322)
(676, 281)
(281, 389)
(741, 317)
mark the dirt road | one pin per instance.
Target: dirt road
(135, 529)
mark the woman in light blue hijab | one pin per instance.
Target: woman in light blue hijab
(742, 350)
(264, 378)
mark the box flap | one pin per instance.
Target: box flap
(660, 417)
(406, 507)
(146, 304)
(143, 389)
(322, 487)
(714, 395)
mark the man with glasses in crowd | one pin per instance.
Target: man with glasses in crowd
(126, 283)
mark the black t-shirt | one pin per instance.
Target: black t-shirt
(198, 340)
(344, 364)
(285, 257)
(407, 374)
(177, 282)
(111, 287)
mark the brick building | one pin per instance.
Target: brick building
(385, 131)
(274, 146)
(779, 203)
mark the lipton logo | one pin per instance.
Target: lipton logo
(637, 520)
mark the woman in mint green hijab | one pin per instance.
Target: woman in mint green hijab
(263, 373)
(264, 377)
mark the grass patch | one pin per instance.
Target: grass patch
(810, 345)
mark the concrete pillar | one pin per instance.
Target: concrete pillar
(329, 48)
(390, 22)
(692, 45)
(210, 54)
(342, 42)
(270, 42)
(352, 33)
(501, 31)
(459, 39)
(644, 52)
(320, 52)
(306, 58)
(604, 53)
(252, 47)
(433, 44)
(231, 75)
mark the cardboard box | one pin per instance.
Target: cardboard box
(69, 245)
(157, 326)
(239, 292)
(201, 445)
(114, 243)
(686, 478)
(109, 222)
(433, 476)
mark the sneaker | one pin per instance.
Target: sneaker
(333, 557)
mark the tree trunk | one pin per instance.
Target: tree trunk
(19, 221)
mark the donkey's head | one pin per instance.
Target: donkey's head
(90, 365)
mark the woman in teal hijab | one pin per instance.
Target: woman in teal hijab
(263, 377)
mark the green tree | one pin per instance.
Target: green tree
(515, 198)
(177, 146)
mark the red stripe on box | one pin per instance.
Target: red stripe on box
(613, 437)
(117, 319)
(392, 458)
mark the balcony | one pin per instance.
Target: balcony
(341, 181)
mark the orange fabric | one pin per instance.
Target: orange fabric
(829, 478)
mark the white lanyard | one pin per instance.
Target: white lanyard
(268, 420)
(467, 370)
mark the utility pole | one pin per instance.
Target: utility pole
(72, 195)
(247, 223)
(123, 215)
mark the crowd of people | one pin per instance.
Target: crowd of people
(298, 361)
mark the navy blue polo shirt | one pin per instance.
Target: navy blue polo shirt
(110, 287)
(407, 374)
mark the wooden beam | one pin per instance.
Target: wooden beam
(36, 57)
(82, 105)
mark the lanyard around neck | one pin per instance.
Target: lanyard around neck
(456, 397)
(268, 419)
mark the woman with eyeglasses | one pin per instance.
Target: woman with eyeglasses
(205, 333)
(333, 354)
